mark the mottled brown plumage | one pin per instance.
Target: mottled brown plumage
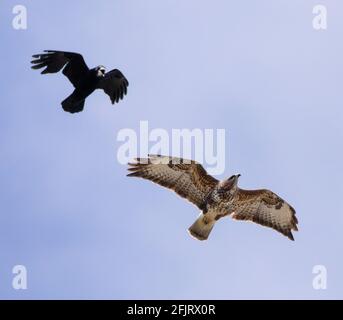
(266, 208)
(186, 177)
(216, 199)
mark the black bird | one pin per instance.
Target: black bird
(84, 80)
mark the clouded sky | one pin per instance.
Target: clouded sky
(257, 69)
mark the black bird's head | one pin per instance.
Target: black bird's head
(100, 71)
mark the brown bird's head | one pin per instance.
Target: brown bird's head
(231, 183)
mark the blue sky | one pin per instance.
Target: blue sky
(255, 68)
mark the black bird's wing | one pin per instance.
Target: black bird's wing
(53, 61)
(114, 84)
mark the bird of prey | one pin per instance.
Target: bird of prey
(84, 80)
(216, 199)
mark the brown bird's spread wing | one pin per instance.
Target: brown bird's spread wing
(53, 61)
(266, 208)
(115, 85)
(186, 177)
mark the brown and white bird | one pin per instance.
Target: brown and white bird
(216, 199)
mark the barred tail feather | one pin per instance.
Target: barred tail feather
(201, 228)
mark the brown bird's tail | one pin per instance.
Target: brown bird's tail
(201, 228)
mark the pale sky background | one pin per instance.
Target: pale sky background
(255, 68)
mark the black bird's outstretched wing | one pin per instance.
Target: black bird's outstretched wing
(53, 61)
(114, 84)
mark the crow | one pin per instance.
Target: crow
(84, 80)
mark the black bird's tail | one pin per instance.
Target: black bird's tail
(73, 104)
